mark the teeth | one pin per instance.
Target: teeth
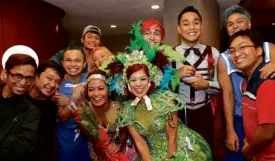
(97, 99)
(139, 90)
(192, 34)
(73, 70)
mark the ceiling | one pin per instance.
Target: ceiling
(103, 13)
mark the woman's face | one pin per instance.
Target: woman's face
(99, 57)
(97, 92)
(139, 83)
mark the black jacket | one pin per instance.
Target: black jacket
(19, 121)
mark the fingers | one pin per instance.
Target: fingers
(113, 148)
(237, 145)
(186, 71)
(267, 70)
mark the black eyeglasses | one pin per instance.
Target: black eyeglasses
(239, 49)
(18, 77)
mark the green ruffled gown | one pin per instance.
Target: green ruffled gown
(152, 125)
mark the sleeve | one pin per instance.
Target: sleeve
(214, 86)
(125, 115)
(225, 61)
(21, 142)
(58, 57)
(265, 102)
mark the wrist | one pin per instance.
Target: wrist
(230, 128)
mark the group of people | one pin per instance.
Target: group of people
(151, 103)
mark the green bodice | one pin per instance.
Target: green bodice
(152, 125)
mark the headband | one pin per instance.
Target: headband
(19, 49)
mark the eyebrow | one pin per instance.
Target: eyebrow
(186, 20)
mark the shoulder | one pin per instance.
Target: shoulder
(177, 47)
(31, 109)
(215, 52)
(267, 86)
(58, 57)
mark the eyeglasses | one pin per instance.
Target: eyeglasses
(239, 49)
(18, 77)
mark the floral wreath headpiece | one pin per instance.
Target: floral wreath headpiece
(156, 61)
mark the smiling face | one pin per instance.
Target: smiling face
(73, 62)
(48, 82)
(16, 83)
(90, 40)
(153, 35)
(244, 55)
(99, 57)
(190, 28)
(139, 83)
(237, 22)
(97, 92)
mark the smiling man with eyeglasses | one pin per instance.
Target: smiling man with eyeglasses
(18, 117)
(258, 97)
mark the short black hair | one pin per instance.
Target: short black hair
(52, 65)
(247, 33)
(188, 9)
(20, 59)
(73, 46)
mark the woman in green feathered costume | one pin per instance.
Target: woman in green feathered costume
(150, 112)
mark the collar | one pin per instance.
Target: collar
(185, 46)
(67, 83)
(148, 102)
(256, 73)
(255, 80)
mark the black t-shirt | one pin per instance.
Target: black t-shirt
(45, 147)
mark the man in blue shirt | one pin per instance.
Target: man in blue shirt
(72, 145)
(236, 18)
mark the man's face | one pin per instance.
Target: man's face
(73, 62)
(237, 22)
(48, 82)
(20, 78)
(190, 27)
(153, 35)
(90, 40)
(243, 53)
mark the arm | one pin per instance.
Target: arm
(172, 132)
(228, 103)
(213, 85)
(64, 114)
(269, 69)
(264, 137)
(123, 136)
(210, 86)
(265, 113)
(19, 143)
(140, 144)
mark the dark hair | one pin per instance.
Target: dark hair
(135, 68)
(94, 72)
(247, 33)
(52, 65)
(20, 59)
(73, 46)
(188, 9)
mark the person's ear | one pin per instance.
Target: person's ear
(259, 51)
(4, 75)
(82, 39)
(179, 30)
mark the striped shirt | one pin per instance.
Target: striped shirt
(201, 97)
